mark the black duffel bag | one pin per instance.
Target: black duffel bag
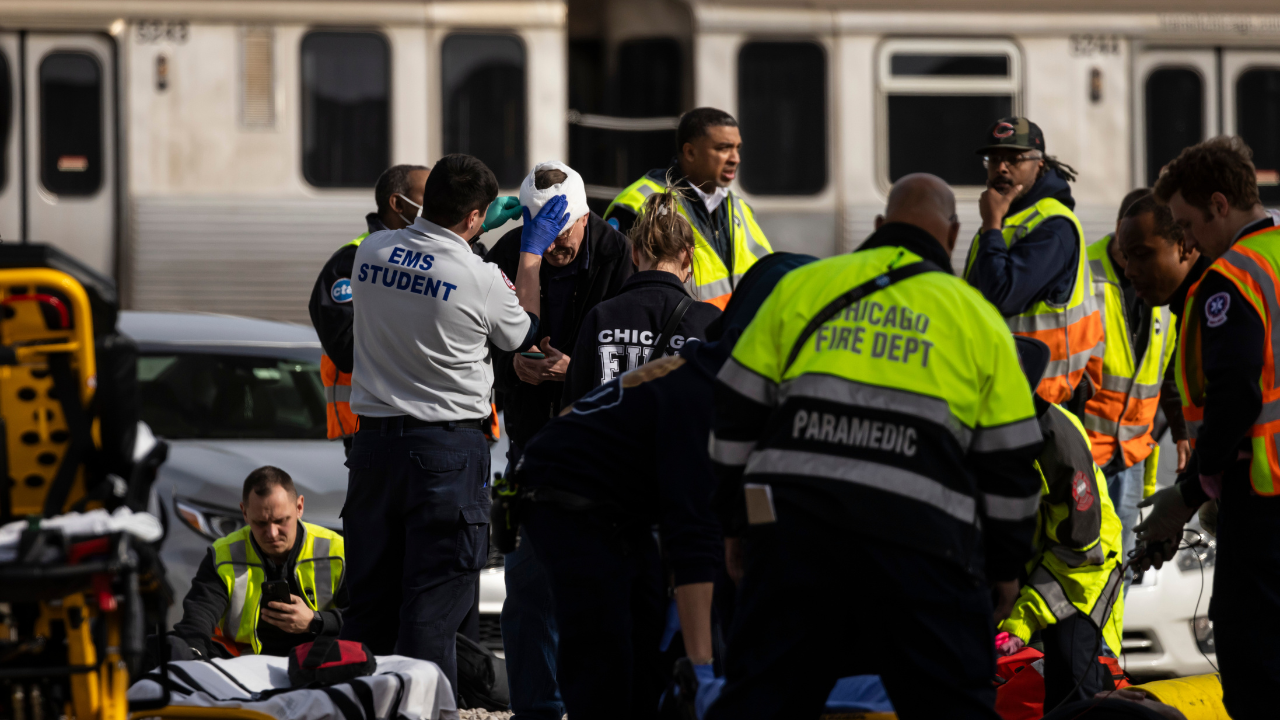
(482, 677)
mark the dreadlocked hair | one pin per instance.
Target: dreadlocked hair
(1063, 169)
(661, 233)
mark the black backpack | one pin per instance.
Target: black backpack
(482, 677)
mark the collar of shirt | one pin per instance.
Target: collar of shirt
(1272, 219)
(712, 201)
(374, 222)
(423, 226)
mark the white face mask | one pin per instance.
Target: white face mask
(408, 221)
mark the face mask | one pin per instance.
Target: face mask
(408, 221)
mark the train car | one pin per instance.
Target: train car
(212, 153)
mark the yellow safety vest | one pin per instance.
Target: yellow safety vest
(340, 421)
(1073, 331)
(1064, 577)
(1253, 266)
(1124, 407)
(885, 400)
(712, 279)
(318, 571)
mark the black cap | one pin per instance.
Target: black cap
(1013, 133)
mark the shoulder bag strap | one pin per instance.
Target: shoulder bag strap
(834, 307)
(669, 328)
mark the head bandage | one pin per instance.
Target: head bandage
(572, 188)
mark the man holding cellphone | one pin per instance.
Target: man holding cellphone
(273, 584)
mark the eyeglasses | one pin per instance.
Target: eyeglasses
(989, 161)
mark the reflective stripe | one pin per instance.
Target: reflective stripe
(1107, 601)
(1074, 559)
(729, 452)
(1113, 427)
(869, 474)
(1003, 507)
(1270, 412)
(1077, 361)
(1193, 430)
(323, 572)
(239, 591)
(1006, 437)
(849, 392)
(1118, 383)
(645, 191)
(753, 247)
(1263, 278)
(1050, 320)
(1137, 391)
(341, 393)
(1054, 596)
(714, 288)
(748, 383)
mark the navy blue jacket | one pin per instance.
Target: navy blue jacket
(640, 443)
(1040, 266)
(618, 334)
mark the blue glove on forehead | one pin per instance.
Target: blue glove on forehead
(539, 232)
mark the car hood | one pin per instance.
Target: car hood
(213, 472)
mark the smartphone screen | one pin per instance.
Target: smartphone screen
(535, 356)
(275, 591)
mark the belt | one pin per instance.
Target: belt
(409, 422)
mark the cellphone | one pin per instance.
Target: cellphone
(535, 356)
(276, 591)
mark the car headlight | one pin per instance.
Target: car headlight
(1202, 628)
(1202, 554)
(213, 523)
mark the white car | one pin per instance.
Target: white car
(230, 394)
(1167, 631)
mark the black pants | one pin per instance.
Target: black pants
(818, 603)
(416, 525)
(1071, 667)
(1246, 598)
(610, 604)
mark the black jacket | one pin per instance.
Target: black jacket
(528, 407)
(644, 452)
(332, 316)
(1040, 266)
(618, 334)
(207, 600)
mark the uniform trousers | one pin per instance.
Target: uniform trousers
(1072, 670)
(611, 603)
(1246, 597)
(416, 526)
(819, 603)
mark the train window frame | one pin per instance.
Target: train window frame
(1235, 65)
(445, 104)
(888, 84)
(829, 99)
(1140, 118)
(302, 103)
(8, 124)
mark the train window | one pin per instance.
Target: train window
(1257, 117)
(71, 123)
(782, 108)
(346, 104)
(969, 83)
(6, 119)
(484, 101)
(1174, 99)
(649, 75)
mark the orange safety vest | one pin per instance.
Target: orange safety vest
(337, 400)
(1251, 265)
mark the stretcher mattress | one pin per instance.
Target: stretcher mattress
(401, 687)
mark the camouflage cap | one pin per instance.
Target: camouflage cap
(1013, 133)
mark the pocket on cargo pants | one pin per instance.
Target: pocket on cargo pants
(473, 536)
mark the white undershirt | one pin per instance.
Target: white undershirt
(712, 201)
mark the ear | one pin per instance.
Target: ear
(1221, 206)
(879, 221)
(245, 514)
(301, 502)
(688, 151)
(394, 203)
(953, 233)
(686, 259)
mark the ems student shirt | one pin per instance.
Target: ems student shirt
(426, 310)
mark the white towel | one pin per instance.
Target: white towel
(572, 188)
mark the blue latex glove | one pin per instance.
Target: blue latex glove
(708, 690)
(705, 673)
(538, 233)
(500, 211)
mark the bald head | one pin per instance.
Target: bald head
(927, 202)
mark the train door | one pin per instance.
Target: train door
(1177, 101)
(1251, 109)
(58, 164)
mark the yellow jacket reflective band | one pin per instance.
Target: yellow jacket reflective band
(1251, 265)
(887, 399)
(1077, 566)
(1123, 409)
(713, 280)
(339, 420)
(1072, 331)
(318, 571)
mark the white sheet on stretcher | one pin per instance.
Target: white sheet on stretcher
(426, 694)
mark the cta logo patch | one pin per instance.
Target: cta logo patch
(1215, 309)
(1081, 492)
(341, 291)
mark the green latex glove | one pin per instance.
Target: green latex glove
(505, 208)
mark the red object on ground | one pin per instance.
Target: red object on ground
(1021, 696)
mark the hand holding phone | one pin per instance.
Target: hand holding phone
(534, 355)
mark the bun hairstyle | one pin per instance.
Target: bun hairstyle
(661, 233)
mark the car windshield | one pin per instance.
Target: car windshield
(215, 396)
